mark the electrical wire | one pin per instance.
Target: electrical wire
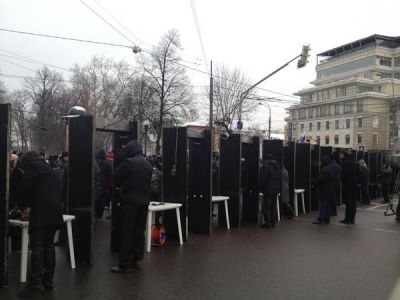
(144, 50)
(18, 65)
(197, 24)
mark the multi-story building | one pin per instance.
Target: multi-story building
(353, 100)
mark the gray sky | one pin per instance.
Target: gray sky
(255, 36)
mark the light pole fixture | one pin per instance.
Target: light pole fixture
(269, 119)
(302, 62)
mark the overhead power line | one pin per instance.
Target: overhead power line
(196, 21)
(108, 23)
(18, 65)
(132, 48)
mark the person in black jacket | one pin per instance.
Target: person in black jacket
(39, 191)
(349, 187)
(385, 177)
(270, 186)
(133, 176)
(326, 190)
(106, 174)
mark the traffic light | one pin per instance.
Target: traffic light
(304, 57)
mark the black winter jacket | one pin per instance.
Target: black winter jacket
(39, 189)
(326, 183)
(270, 178)
(133, 176)
(349, 177)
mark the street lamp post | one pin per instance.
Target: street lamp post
(300, 64)
(269, 119)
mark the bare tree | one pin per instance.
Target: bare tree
(173, 95)
(228, 87)
(3, 92)
(44, 92)
(20, 130)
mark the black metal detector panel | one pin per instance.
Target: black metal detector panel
(199, 184)
(360, 155)
(303, 171)
(289, 158)
(120, 139)
(230, 154)
(315, 169)
(81, 190)
(326, 151)
(251, 154)
(175, 178)
(336, 154)
(274, 147)
(4, 184)
(373, 166)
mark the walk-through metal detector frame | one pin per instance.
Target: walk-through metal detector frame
(4, 192)
(315, 170)
(81, 176)
(187, 179)
(251, 155)
(230, 178)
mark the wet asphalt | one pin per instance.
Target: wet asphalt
(295, 260)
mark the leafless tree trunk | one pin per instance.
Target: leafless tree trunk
(173, 95)
(19, 123)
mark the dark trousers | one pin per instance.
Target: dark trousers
(365, 193)
(351, 207)
(43, 257)
(269, 209)
(325, 210)
(386, 192)
(132, 235)
(99, 207)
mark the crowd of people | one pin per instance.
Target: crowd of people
(38, 189)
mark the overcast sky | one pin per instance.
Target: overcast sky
(255, 36)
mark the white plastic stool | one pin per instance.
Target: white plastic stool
(296, 210)
(278, 211)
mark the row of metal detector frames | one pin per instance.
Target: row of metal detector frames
(80, 194)
(187, 177)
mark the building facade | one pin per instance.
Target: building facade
(353, 100)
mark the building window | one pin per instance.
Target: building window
(301, 127)
(375, 139)
(325, 95)
(347, 123)
(359, 122)
(348, 107)
(318, 139)
(311, 113)
(397, 61)
(359, 138)
(324, 110)
(327, 140)
(319, 96)
(310, 127)
(340, 92)
(384, 61)
(327, 125)
(347, 139)
(338, 109)
(360, 106)
(302, 114)
(375, 122)
(336, 139)
(352, 90)
(336, 124)
(318, 126)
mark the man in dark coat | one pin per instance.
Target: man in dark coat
(133, 176)
(326, 187)
(39, 191)
(385, 176)
(270, 186)
(349, 187)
